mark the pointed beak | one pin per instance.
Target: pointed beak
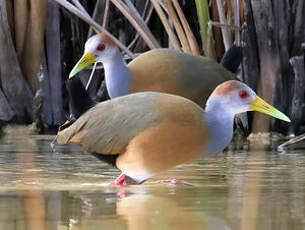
(87, 59)
(261, 106)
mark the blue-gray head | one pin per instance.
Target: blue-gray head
(236, 97)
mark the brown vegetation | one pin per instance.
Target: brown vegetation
(42, 40)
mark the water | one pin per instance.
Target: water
(69, 189)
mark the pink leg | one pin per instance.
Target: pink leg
(119, 180)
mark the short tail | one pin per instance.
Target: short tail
(232, 58)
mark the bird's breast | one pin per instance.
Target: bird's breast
(179, 137)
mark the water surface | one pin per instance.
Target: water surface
(68, 189)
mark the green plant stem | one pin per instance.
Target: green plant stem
(204, 17)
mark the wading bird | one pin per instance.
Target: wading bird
(147, 133)
(159, 70)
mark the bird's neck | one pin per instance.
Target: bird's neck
(219, 118)
(117, 75)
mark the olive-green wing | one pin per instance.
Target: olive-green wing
(200, 75)
(109, 126)
(170, 71)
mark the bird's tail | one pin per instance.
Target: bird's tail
(79, 100)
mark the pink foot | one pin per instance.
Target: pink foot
(119, 181)
(122, 194)
(173, 181)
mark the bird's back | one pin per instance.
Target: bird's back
(174, 72)
(109, 126)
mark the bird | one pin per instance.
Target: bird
(160, 70)
(146, 133)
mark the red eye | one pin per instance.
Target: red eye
(100, 47)
(243, 94)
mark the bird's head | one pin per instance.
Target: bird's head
(236, 97)
(98, 48)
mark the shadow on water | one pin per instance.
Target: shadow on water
(69, 190)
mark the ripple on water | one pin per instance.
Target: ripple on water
(234, 190)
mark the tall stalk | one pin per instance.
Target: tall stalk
(206, 38)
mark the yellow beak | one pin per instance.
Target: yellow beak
(87, 59)
(261, 106)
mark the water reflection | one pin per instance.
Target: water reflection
(69, 190)
(96, 210)
(163, 211)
